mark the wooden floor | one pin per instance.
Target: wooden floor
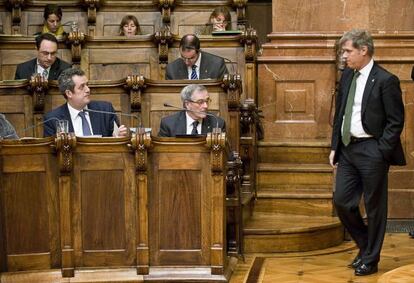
(396, 266)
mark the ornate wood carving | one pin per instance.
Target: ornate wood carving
(164, 39)
(249, 39)
(216, 142)
(141, 141)
(233, 85)
(135, 84)
(240, 6)
(75, 40)
(16, 7)
(166, 6)
(65, 144)
(38, 86)
(92, 6)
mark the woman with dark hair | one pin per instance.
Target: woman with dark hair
(220, 20)
(129, 26)
(52, 24)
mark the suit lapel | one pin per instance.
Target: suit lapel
(53, 69)
(206, 125)
(203, 66)
(66, 116)
(95, 122)
(368, 88)
(183, 71)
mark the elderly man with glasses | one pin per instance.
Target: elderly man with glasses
(195, 64)
(195, 120)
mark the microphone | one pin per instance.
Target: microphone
(73, 25)
(231, 64)
(31, 127)
(217, 129)
(114, 113)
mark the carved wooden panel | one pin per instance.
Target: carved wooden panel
(29, 207)
(103, 206)
(178, 204)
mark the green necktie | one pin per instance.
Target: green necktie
(346, 130)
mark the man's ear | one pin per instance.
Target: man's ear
(68, 93)
(364, 50)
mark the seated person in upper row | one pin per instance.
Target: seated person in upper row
(129, 26)
(6, 129)
(73, 85)
(220, 20)
(195, 64)
(46, 63)
(195, 120)
(52, 24)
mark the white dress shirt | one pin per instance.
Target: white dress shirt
(357, 130)
(190, 122)
(77, 120)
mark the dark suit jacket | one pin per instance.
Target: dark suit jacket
(27, 69)
(211, 67)
(382, 112)
(176, 124)
(102, 124)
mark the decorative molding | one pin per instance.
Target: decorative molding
(233, 85)
(135, 84)
(248, 116)
(140, 142)
(163, 38)
(216, 141)
(240, 6)
(249, 39)
(75, 39)
(15, 6)
(65, 144)
(38, 86)
(92, 6)
(166, 7)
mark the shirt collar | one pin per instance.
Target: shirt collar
(190, 120)
(197, 63)
(75, 112)
(367, 69)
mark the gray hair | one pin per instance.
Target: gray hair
(187, 92)
(359, 38)
(65, 80)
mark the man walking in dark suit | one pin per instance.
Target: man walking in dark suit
(368, 121)
(195, 64)
(79, 109)
(195, 120)
(46, 63)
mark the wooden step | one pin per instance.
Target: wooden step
(270, 233)
(309, 152)
(274, 175)
(310, 203)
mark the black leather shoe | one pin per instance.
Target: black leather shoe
(366, 269)
(356, 262)
(411, 234)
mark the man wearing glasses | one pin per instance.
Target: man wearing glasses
(195, 64)
(195, 120)
(46, 63)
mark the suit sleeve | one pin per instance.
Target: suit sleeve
(223, 69)
(168, 75)
(49, 127)
(394, 111)
(18, 75)
(164, 131)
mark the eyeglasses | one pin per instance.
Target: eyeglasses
(201, 101)
(189, 59)
(45, 53)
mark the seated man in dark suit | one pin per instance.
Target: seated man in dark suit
(6, 129)
(46, 63)
(80, 111)
(195, 64)
(195, 120)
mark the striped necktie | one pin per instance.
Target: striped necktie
(346, 130)
(85, 125)
(45, 73)
(194, 73)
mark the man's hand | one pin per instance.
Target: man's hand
(331, 159)
(122, 131)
